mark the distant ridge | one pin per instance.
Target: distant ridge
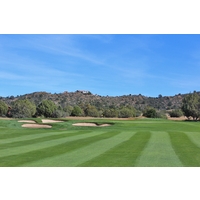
(86, 97)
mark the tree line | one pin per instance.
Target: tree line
(47, 108)
(190, 108)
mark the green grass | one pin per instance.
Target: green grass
(126, 143)
(159, 152)
(124, 154)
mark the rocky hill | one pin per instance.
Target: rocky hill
(86, 97)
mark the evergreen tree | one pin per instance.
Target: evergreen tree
(68, 109)
(47, 108)
(3, 108)
(176, 113)
(150, 112)
(110, 112)
(77, 111)
(91, 111)
(23, 108)
(126, 112)
(191, 106)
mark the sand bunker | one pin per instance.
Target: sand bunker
(90, 124)
(35, 126)
(50, 121)
(32, 124)
(27, 121)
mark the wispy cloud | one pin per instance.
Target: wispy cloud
(63, 46)
(98, 61)
(11, 76)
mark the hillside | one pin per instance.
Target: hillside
(85, 97)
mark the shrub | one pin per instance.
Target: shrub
(150, 112)
(47, 108)
(3, 108)
(68, 110)
(161, 114)
(126, 113)
(59, 114)
(77, 111)
(23, 109)
(137, 113)
(191, 106)
(110, 112)
(176, 113)
(91, 111)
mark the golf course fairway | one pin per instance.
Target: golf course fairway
(121, 143)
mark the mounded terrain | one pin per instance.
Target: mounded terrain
(75, 98)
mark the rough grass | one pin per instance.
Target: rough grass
(127, 143)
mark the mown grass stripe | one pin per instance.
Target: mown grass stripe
(187, 151)
(83, 154)
(40, 145)
(11, 134)
(122, 155)
(194, 137)
(159, 152)
(33, 136)
(37, 139)
(25, 158)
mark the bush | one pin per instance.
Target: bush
(59, 114)
(77, 111)
(191, 106)
(150, 112)
(176, 113)
(68, 110)
(126, 113)
(23, 109)
(91, 111)
(161, 114)
(47, 108)
(3, 108)
(137, 113)
(110, 112)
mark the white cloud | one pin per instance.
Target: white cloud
(10, 76)
(62, 46)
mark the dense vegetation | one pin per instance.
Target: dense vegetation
(23, 109)
(176, 113)
(86, 104)
(3, 108)
(191, 106)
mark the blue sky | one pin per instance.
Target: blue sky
(105, 64)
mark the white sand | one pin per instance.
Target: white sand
(35, 126)
(89, 124)
(105, 125)
(50, 121)
(27, 121)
